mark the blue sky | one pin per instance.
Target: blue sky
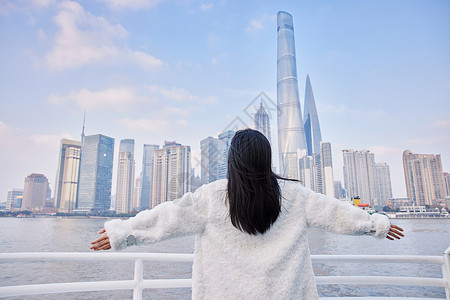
(185, 70)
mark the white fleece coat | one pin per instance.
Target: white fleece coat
(230, 264)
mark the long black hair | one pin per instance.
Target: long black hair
(253, 192)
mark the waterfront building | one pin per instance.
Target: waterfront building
(327, 168)
(447, 183)
(67, 176)
(383, 188)
(125, 177)
(424, 178)
(359, 173)
(171, 172)
(311, 125)
(224, 146)
(291, 134)
(262, 122)
(94, 191)
(339, 192)
(35, 192)
(214, 157)
(14, 199)
(137, 193)
(210, 154)
(147, 176)
(316, 170)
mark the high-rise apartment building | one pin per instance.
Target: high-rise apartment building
(447, 184)
(316, 171)
(125, 177)
(383, 188)
(359, 175)
(262, 122)
(147, 176)
(339, 192)
(311, 125)
(424, 178)
(171, 172)
(210, 154)
(137, 192)
(94, 191)
(214, 157)
(35, 192)
(67, 175)
(291, 134)
(327, 168)
(224, 145)
(14, 199)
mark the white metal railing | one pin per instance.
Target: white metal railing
(138, 283)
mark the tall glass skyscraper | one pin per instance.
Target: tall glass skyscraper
(125, 177)
(94, 191)
(262, 122)
(67, 176)
(311, 125)
(291, 134)
(147, 176)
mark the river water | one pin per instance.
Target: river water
(422, 237)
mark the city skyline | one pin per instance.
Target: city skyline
(374, 90)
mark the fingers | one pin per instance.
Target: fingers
(103, 237)
(102, 244)
(394, 233)
(102, 231)
(396, 227)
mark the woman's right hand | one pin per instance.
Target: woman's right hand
(102, 243)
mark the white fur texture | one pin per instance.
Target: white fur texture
(230, 264)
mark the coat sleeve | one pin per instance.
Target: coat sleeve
(336, 216)
(184, 216)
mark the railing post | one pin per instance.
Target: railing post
(138, 278)
(446, 272)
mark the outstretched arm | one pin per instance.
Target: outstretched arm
(336, 216)
(184, 216)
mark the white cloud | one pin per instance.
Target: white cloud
(84, 38)
(444, 124)
(181, 95)
(206, 7)
(120, 99)
(385, 151)
(51, 140)
(430, 140)
(129, 4)
(260, 23)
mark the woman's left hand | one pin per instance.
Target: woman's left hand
(394, 232)
(101, 243)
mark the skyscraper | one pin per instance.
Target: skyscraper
(327, 166)
(359, 172)
(262, 122)
(311, 119)
(35, 192)
(67, 175)
(291, 134)
(209, 165)
(94, 191)
(14, 199)
(424, 177)
(147, 176)
(224, 145)
(383, 188)
(125, 177)
(171, 172)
